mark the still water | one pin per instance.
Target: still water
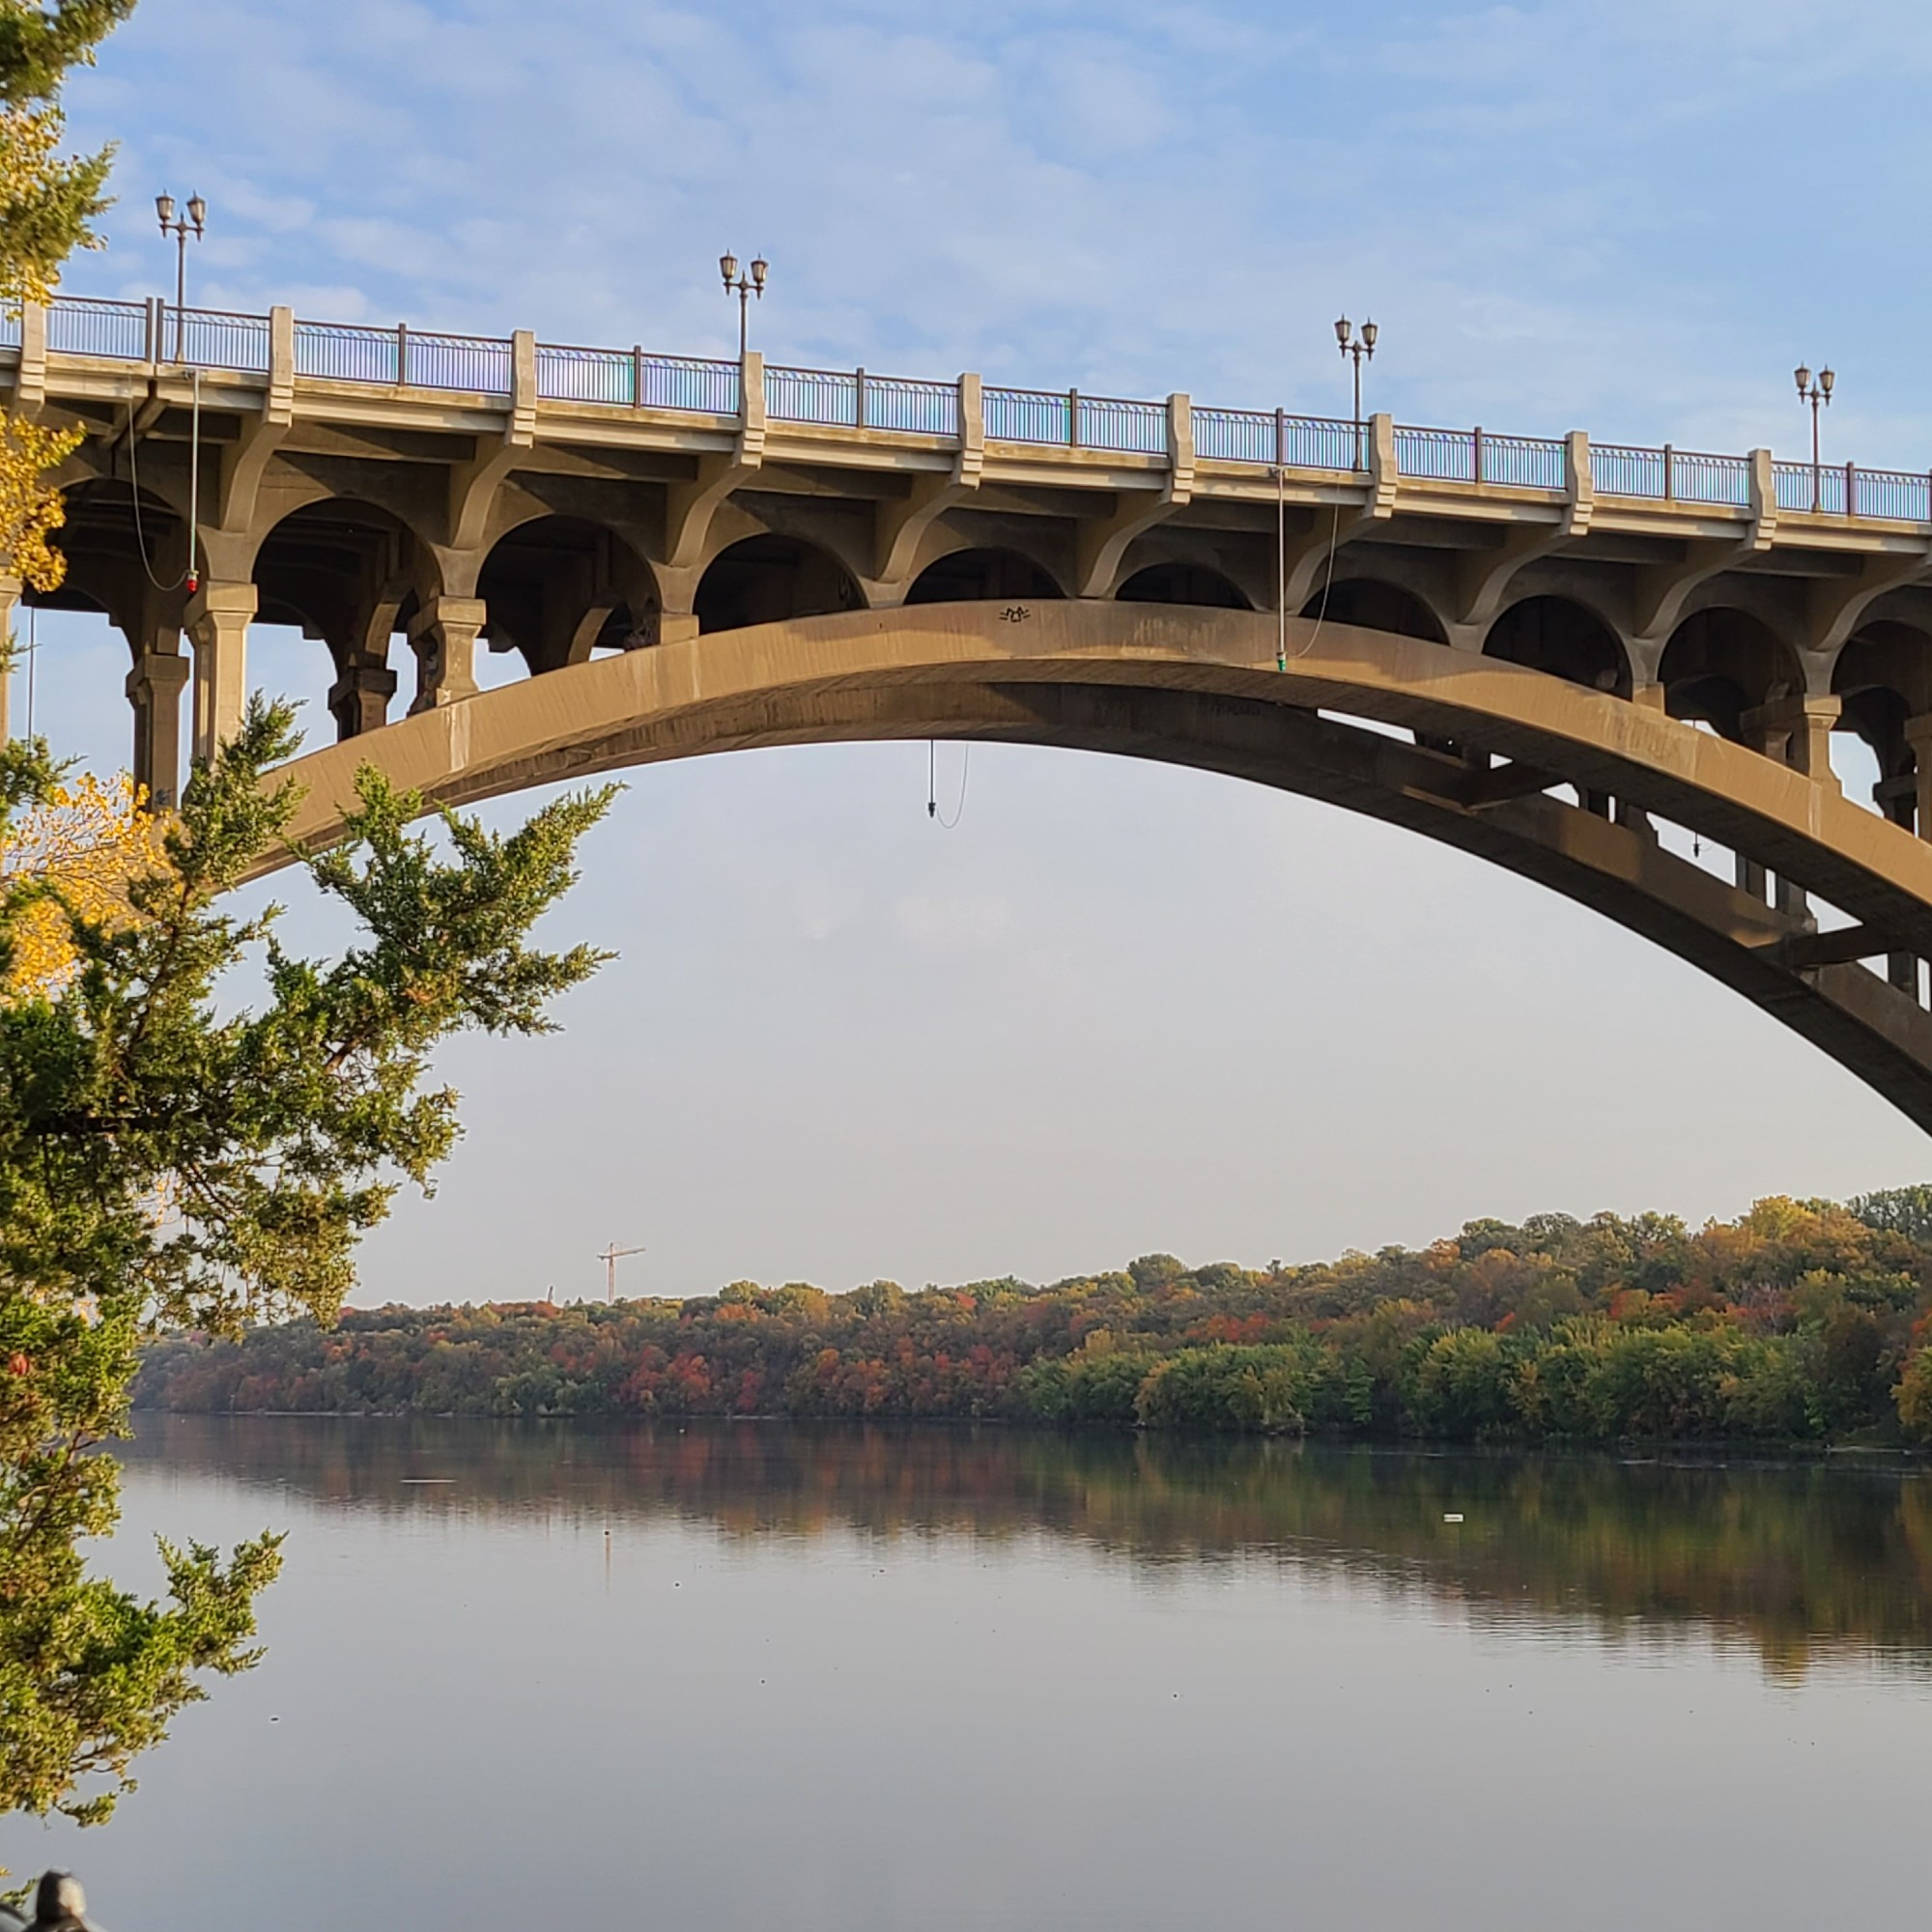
(756, 1676)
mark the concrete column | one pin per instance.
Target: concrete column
(1634, 819)
(1795, 731)
(1919, 735)
(217, 625)
(155, 689)
(1812, 738)
(10, 602)
(443, 637)
(359, 699)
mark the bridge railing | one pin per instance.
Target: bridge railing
(913, 409)
(1439, 455)
(1619, 470)
(1700, 478)
(1901, 496)
(155, 331)
(1073, 421)
(109, 328)
(208, 339)
(1480, 456)
(857, 399)
(1279, 441)
(1029, 415)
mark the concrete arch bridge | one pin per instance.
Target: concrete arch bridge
(1542, 651)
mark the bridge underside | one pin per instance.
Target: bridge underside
(1496, 746)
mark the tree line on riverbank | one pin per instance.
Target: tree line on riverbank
(1798, 1322)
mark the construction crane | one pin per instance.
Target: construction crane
(611, 1257)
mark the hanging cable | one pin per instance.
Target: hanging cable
(932, 785)
(194, 494)
(1280, 567)
(141, 535)
(1281, 651)
(189, 579)
(1327, 581)
(33, 656)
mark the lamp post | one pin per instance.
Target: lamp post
(737, 285)
(1358, 349)
(195, 222)
(1815, 392)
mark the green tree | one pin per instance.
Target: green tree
(1897, 1211)
(165, 1164)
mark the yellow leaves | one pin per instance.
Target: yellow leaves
(30, 512)
(86, 845)
(28, 139)
(47, 201)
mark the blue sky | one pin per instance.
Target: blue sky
(1634, 218)
(1119, 1008)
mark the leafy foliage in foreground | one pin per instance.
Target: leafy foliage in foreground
(163, 1164)
(1799, 1321)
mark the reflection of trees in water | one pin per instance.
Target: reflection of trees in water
(1799, 1561)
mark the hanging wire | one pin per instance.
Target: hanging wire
(194, 501)
(932, 785)
(141, 535)
(1327, 582)
(1281, 650)
(33, 658)
(1280, 566)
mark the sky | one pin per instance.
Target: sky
(1117, 1008)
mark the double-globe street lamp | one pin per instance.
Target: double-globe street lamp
(195, 222)
(1359, 348)
(1815, 392)
(737, 285)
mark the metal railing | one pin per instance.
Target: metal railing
(910, 408)
(1029, 415)
(1617, 469)
(1523, 462)
(857, 399)
(1279, 441)
(1698, 479)
(1479, 456)
(1901, 496)
(154, 332)
(340, 353)
(206, 339)
(77, 326)
(1438, 455)
(1075, 421)
(1135, 428)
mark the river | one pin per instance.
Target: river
(741, 1676)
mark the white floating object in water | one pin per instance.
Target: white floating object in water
(1453, 1516)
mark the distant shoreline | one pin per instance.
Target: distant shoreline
(1799, 1325)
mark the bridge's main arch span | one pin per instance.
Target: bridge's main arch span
(1495, 742)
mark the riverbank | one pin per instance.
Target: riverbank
(1799, 1322)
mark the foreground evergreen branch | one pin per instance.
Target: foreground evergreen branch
(163, 1164)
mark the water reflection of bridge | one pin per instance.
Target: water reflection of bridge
(1804, 1562)
(1580, 645)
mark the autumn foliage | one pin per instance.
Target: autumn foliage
(78, 852)
(1801, 1320)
